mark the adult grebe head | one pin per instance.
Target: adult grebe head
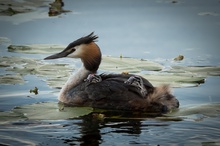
(84, 48)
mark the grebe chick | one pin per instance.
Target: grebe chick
(109, 91)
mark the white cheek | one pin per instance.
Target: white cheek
(73, 55)
(77, 53)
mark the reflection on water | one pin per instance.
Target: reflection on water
(89, 130)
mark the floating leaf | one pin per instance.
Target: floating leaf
(57, 74)
(193, 112)
(4, 40)
(9, 116)
(10, 11)
(17, 61)
(36, 48)
(57, 82)
(4, 64)
(119, 65)
(24, 66)
(197, 111)
(51, 111)
(11, 79)
(202, 70)
(208, 14)
(175, 80)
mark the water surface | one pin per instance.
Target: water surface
(155, 30)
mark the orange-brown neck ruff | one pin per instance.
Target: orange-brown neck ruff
(91, 57)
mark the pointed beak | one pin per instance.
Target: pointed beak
(62, 54)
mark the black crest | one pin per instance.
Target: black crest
(83, 40)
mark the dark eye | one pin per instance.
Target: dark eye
(72, 50)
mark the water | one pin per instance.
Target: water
(155, 30)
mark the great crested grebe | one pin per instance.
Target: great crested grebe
(109, 91)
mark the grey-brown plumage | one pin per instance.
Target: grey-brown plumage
(109, 91)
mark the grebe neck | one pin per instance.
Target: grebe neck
(91, 59)
(75, 79)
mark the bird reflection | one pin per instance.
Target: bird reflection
(89, 132)
(92, 127)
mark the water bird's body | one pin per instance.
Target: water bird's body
(109, 91)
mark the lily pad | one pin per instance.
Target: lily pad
(11, 11)
(56, 82)
(10, 116)
(57, 74)
(4, 64)
(119, 64)
(197, 112)
(36, 48)
(51, 111)
(9, 8)
(113, 64)
(24, 66)
(193, 113)
(11, 79)
(16, 61)
(4, 40)
(175, 80)
(202, 70)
